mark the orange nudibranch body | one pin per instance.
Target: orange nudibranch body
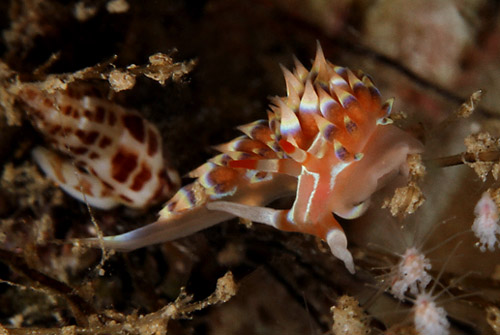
(117, 152)
(329, 142)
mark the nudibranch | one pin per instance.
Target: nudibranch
(106, 155)
(329, 143)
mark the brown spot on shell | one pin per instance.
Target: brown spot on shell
(104, 142)
(88, 114)
(152, 143)
(87, 137)
(91, 92)
(111, 187)
(56, 164)
(80, 134)
(85, 186)
(141, 178)
(76, 114)
(78, 150)
(74, 93)
(54, 130)
(127, 199)
(111, 118)
(94, 155)
(91, 137)
(100, 114)
(48, 103)
(70, 92)
(135, 126)
(122, 164)
(81, 165)
(106, 192)
(30, 93)
(66, 110)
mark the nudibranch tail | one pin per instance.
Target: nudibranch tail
(329, 142)
(187, 212)
(174, 227)
(110, 154)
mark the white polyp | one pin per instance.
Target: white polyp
(429, 319)
(411, 273)
(337, 242)
(485, 226)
